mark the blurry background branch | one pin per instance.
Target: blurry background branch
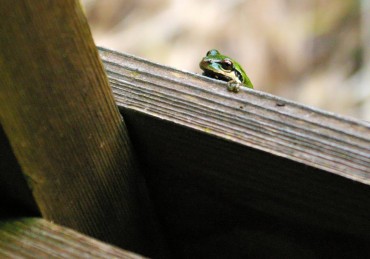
(312, 51)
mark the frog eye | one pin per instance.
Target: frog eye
(227, 64)
(213, 52)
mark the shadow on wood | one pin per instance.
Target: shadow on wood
(242, 175)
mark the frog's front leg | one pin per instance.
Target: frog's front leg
(233, 86)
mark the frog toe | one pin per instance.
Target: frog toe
(233, 86)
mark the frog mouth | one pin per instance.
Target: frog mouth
(215, 75)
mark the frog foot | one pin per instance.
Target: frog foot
(233, 86)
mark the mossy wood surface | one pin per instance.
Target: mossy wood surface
(66, 132)
(245, 174)
(38, 238)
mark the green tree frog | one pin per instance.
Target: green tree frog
(221, 67)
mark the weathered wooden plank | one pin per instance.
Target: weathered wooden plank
(38, 238)
(237, 175)
(316, 138)
(217, 194)
(59, 115)
(222, 199)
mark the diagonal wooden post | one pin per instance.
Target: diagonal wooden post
(59, 114)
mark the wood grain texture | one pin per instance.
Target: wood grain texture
(38, 238)
(316, 138)
(217, 198)
(235, 175)
(59, 115)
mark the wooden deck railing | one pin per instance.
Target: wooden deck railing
(193, 171)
